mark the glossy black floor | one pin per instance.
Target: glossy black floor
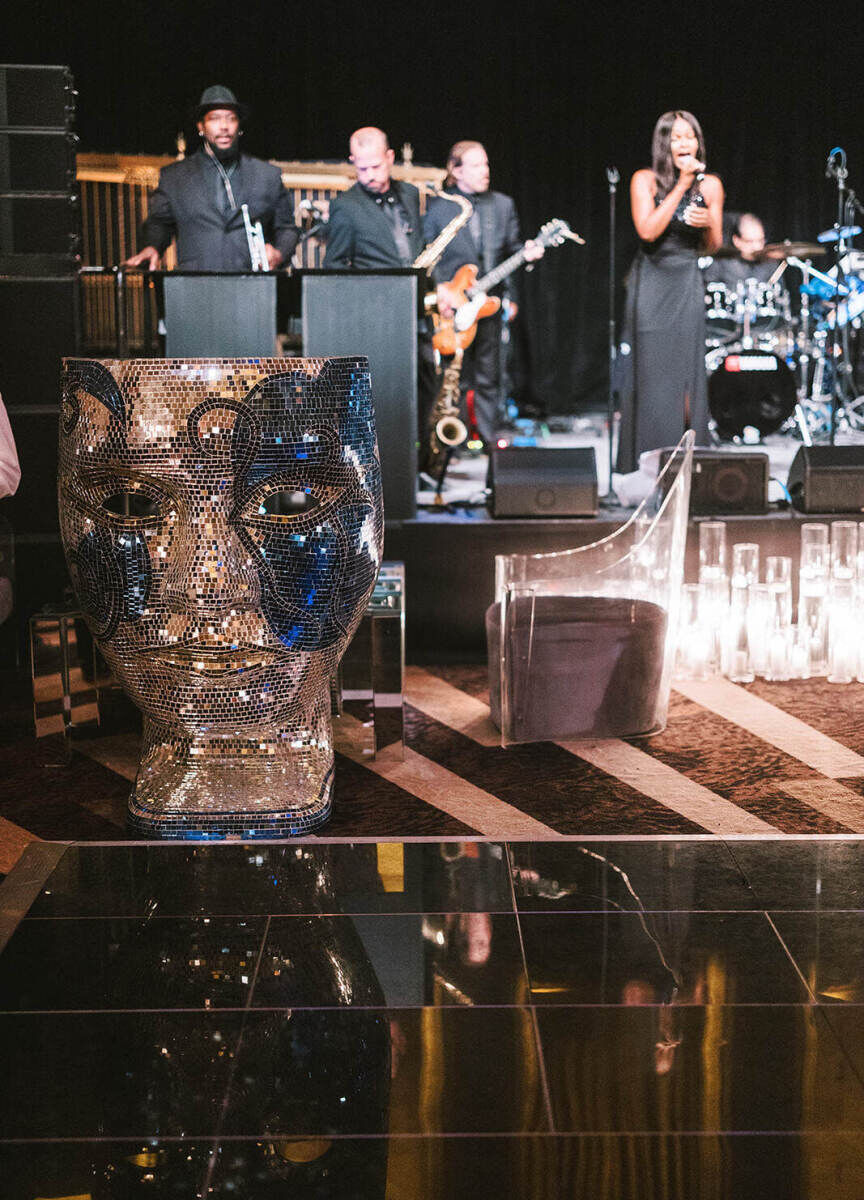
(634, 1018)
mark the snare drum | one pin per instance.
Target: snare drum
(751, 388)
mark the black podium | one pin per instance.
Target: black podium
(222, 314)
(375, 313)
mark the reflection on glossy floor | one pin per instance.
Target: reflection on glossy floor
(676, 1019)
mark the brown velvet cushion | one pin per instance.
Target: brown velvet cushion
(596, 666)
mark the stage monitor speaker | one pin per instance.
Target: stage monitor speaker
(726, 482)
(827, 479)
(541, 481)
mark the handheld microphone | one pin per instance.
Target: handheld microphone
(694, 162)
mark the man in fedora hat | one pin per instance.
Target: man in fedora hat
(199, 199)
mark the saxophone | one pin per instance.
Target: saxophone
(429, 256)
(446, 428)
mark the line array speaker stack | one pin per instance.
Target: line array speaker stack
(39, 259)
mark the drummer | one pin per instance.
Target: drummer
(745, 260)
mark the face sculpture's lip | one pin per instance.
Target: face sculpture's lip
(214, 660)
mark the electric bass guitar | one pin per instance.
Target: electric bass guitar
(459, 330)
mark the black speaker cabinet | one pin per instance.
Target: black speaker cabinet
(727, 482)
(33, 95)
(828, 479)
(538, 481)
(38, 327)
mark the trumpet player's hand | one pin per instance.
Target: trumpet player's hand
(446, 300)
(148, 257)
(274, 256)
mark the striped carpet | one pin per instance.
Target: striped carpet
(763, 759)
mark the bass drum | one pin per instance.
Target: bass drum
(751, 388)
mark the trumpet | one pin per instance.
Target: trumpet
(255, 242)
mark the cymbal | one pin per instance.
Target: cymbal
(779, 250)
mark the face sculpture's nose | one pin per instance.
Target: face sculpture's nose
(211, 571)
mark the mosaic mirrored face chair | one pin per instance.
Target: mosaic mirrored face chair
(580, 641)
(222, 522)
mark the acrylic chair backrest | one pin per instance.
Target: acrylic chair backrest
(643, 560)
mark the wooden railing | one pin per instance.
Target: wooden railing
(115, 189)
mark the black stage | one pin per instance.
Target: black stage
(450, 563)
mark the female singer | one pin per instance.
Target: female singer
(677, 211)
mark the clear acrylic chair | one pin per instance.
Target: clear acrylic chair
(581, 642)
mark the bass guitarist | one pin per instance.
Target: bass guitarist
(491, 235)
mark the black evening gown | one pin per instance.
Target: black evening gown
(665, 326)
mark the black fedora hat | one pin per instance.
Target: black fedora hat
(219, 96)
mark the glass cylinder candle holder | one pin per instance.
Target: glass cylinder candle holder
(745, 564)
(813, 621)
(859, 674)
(844, 550)
(714, 609)
(695, 641)
(779, 648)
(778, 576)
(758, 614)
(799, 660)
(738, 664)
(843, 637)
(815, 549)
(712, 550)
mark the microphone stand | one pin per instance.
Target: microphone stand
(837, 170)
(613, 178)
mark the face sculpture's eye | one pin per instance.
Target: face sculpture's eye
(286, 504)
(133, 504)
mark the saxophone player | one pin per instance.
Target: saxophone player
(377, 224)
(491, 236)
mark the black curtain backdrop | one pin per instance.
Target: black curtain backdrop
(555, 92)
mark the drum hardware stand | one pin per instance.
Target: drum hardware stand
(810, 395)
(613, 177)
(801, 419)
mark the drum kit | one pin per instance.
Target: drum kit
(771, 368)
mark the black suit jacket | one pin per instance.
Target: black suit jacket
(497, 214)
(360, 234)
(185, 206)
